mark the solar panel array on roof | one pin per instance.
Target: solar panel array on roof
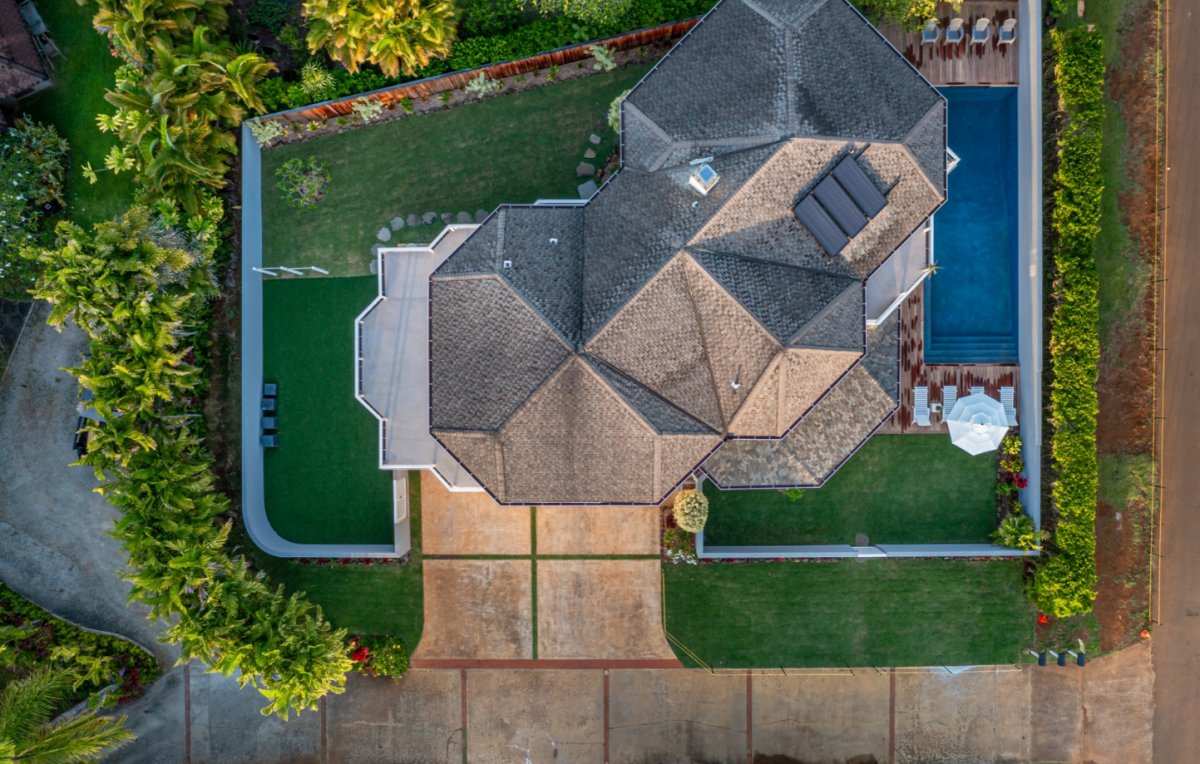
(840, 205)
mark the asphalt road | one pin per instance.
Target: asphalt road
(1177, 637)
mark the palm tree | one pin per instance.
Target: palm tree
(28, 732)
(393, 34)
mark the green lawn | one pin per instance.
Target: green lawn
(81, 78)
(515, 148)
(364, 599)
(849, 613)
(323, 484)
(899, 489)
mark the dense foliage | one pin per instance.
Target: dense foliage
(30, 637)
(910, 14)
(180, 97)
(137, 286)
(521, 41)
(33, 161)
(691, 511)
(29, 731)
(1065, 584)
(394, 35)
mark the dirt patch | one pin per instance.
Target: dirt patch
(1121, 553)
(1126, 372)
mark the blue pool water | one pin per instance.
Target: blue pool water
(971, 302)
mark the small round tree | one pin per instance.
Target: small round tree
(691, 511)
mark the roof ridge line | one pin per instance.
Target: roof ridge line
(594, 359)
(708, 367)
(823, 312)
(765, 261)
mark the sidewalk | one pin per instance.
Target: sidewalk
(1101, 713)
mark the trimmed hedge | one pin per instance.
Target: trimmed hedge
(1065, 584)
(538, 36)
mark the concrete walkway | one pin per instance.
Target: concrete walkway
(1177, 609)
(1102, 713)
(54, 542)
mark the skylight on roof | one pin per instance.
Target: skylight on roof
(703, 178)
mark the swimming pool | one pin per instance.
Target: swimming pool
(971, 301)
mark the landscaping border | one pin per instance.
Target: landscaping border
(442, 83)
(836, 551)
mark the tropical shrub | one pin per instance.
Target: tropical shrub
(587, 11)
(366, 109)
(614, 111)
(136, 286)
(270, 14)
(1017, 532)
(29, 731)
(33, 164)
(691, 511)
(303, 183)
(1065, 584)
(604, 58)
(482, 86)
(394, 35)
(265, 131)
(176, 114)
(316, 81)
(135, 27)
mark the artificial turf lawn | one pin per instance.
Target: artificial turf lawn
(323, 483)
(898, 489)
(81, 77)
(849, 613)
(514, 148)
(364, 599)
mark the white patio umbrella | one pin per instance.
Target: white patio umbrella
(977, 423)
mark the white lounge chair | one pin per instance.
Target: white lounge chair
(1010, 411)
(982, 31)
(954, 32)
(949, 398)
(977, 390)
(1007, 34)
(921, 406)
(931, 33)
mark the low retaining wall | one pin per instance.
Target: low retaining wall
(835, 551)
(431, 86)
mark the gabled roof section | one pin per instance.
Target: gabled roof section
(660, 413)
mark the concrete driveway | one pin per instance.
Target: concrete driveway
(1101, 713)
(54, 542)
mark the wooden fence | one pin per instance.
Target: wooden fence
(432, 86)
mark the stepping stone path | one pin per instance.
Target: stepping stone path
(585, 170)
(595, 139)
(397, 223)
(429, 218)
(589, 154)
(462, 217)
(447, 218)
(412, 220)
(587, 190)
(384, 234)
(480, 215)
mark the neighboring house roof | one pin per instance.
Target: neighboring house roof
(597, 354)
(21, 68)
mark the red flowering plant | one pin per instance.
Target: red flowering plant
(1009, 478)
(388, 657)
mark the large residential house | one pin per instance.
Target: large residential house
(726, 301)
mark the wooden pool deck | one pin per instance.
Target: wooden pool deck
(964, 63)
(914, 372)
